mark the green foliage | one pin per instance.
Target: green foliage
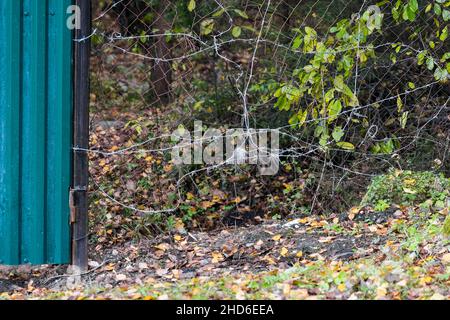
(446, 227)
(324, 86)
(407, 188)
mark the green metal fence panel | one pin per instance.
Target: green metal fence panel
(35, 131)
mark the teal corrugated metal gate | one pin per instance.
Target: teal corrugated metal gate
(35, 131)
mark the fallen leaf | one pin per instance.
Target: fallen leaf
(121, 277)
(446, 258)
(276, 237)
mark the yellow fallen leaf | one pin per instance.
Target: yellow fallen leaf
(276, 237)
(381, 293)
(409, 182)
(446, 258)
(284, 252)
(425, 280)
(437, 296)
(341, 287)
(217, 257)
(189, 196)
(207, 204)
(162, 246)
(410, 191)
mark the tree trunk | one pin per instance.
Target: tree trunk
(161, 76)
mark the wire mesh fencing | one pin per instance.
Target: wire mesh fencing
(354, 88)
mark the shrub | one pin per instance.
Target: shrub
(408, 188)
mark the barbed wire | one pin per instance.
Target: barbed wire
(123, 40)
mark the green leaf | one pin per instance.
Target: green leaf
(335, 109)
(430, 63)
(236, 31)
(414, 5)
(421, 57)
(302, 115)
(241, 13)
(339, 82)
(191, 5)
(411, 85)
(346, 145)
(446, 15)
(404, 119)
(437, 9)
(206, 26)
(444, 34)
(297, 42)
(338, 133)
(399, 104)
(218, 13)
(445, 57)
(441, 74)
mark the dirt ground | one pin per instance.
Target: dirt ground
(269, 245)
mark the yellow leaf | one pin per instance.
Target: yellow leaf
(207, 204)
(426, 280)
(162, 246)
(189, 196)
(409, 182)
(177, 238)
(446, 258)
(299, 254)
(191, 5)
(217, 257)
(284, 252)
(149, 159)
(341, 287)
(277, 237)
(381, 292)
(410, 191)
